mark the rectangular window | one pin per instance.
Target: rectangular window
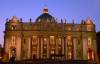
(52, 52)
(13, 40)
(89, 42)
(45, 41)
(52, 41)
(69, 55)
(34, 40)
(59, 41)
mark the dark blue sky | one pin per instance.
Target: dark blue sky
(69, 9)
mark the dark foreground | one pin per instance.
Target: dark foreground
(50, 62)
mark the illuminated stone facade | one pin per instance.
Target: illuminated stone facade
(48, 38)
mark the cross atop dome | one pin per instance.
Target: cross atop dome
(45, 10)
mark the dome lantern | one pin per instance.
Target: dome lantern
(45, 10)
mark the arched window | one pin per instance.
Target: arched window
(89, 27)
(90, 54)
(13, 27)
(89, 42)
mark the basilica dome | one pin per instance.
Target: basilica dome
(45, 17)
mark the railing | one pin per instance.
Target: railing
(49, 61)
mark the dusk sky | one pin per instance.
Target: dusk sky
(60, 9)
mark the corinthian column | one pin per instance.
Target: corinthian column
(18, 50)
(57, 39)
(29, 47)
(48, 48)
(37, 47)
(41, 47)
(66, 48)
(62, 39)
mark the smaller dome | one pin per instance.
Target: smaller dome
(14, 19)
(88, 21)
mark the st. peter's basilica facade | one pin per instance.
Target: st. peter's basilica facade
(48, 38)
